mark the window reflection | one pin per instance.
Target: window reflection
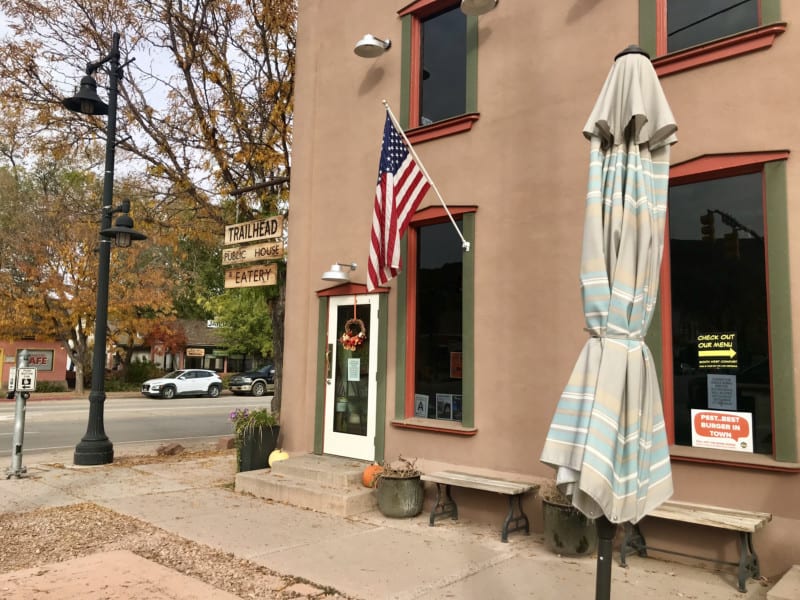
(444, 66)
(438, 389)
(718, 280)
(690, 22)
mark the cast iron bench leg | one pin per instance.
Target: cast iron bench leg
(633, 541)
(748, 560)
(519, 521)
(445, 506)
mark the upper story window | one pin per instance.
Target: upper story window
(684, 34)
(690, 22)
(443, 76)
(439, 78)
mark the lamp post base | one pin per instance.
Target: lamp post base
(94, 452)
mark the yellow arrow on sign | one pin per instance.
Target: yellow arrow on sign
(730, 353)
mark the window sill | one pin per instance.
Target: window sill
(730, 459)
(735, 45)
(452, 427)
(441, 129)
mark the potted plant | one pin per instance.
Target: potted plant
(256, 436)
(566, 529)
(399, 489)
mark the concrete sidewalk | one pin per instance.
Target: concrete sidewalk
(368, 556)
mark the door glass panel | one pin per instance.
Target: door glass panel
(720, 333)
(352, 372)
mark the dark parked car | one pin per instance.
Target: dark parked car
(186, 382)
(255, 383)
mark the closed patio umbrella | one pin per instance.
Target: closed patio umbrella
(607, 438)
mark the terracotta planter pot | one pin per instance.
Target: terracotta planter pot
(400, 497)
(567, 530)
(256, 447)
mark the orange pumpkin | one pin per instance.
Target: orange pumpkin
(370, 475)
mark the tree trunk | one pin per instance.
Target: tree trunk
(277, 312)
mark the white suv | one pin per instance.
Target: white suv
(187, 382)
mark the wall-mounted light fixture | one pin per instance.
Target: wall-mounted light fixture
(371, 47)
(473, 8)
(338, 272)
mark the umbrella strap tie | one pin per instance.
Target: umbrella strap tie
(613, 336)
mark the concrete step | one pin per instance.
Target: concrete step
(326, 470)
(788, 587)
(327, 484)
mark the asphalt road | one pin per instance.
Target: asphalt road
(60, 424)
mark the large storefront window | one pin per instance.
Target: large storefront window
(438, 344)
(719, 312)
(436, 330)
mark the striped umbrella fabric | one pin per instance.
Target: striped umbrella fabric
(607, 438)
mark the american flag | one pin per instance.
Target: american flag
(401, 187)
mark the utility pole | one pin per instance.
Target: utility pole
(21, 396)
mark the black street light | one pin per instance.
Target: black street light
(95, 448)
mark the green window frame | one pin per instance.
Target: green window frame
(413, 17)
(653, 38)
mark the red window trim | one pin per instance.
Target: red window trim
(746, 42)
(427, 216)
(701, 168)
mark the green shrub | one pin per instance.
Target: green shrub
(50, 386)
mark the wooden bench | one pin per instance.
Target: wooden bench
(745, 523)
(445, 506)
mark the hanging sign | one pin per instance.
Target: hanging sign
(251, 276)
(253, 252)
(722, 430)
(253, 231)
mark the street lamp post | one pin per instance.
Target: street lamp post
(95, 448)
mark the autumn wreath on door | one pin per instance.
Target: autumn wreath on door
(355, 332)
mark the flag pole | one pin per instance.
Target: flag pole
(464, 243)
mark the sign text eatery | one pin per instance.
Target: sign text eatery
(251, 276)
(253, 231)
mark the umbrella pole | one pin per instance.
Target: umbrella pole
(605, 540)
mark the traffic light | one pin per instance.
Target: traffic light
(707, 226)
(731, 243)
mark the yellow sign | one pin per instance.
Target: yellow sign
(253, 231)
(195, 352)
(253, 252)
(251, 276)
(717, 351)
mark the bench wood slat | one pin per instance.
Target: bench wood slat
(478, 482)
(713, 516)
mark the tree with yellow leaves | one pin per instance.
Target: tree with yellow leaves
(205, 108)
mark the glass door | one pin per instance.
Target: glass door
(350, 394)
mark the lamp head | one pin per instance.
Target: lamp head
(123, 232)
(473, 8)
(338, 272)
(86, 100)
(371, 47)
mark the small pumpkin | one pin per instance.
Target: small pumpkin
(277, 455)
(370, 475)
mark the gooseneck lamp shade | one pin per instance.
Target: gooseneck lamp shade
(473, 8)
(338, 272)
(371, 47)
(123, 232)
(86, 101)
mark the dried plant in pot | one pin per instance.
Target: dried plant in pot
(566, 529)
(256, 436)
(399, 489)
